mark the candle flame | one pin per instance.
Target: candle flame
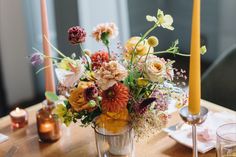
(17, 109)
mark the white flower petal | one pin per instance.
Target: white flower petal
(168, 20)
(168, 27)
(151, 18)
(160, 13)
(68, 78)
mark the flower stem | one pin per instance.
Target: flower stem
(57, 58)
(168, 51)
(146, 58)
(43, 68)
(139, 91)
(108, 49)
(59, 52)
(83, 54)
(147, 54)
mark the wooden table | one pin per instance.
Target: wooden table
(80, 142)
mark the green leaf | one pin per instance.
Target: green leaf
(67, 121)
(51, 96)
(203, 49)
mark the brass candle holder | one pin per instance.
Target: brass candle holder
(48, 125)
(194, 120)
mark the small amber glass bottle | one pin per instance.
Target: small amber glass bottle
(49, 129)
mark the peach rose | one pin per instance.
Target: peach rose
(155, 69)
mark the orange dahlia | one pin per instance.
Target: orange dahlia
(115, 98)
(98, 58)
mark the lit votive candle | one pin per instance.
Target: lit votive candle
(19, 118)
(48, 126)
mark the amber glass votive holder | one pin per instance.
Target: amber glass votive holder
(19, 118)
(48, 125)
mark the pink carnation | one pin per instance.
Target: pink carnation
(109, 28)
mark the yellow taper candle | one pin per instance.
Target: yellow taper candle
(195, 62)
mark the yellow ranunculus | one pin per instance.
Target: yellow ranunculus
(113, 122)
(141, 49)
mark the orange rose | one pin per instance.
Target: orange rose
(77, 97)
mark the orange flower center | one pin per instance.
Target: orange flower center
(157, 66)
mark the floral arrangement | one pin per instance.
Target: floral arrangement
(113, 90)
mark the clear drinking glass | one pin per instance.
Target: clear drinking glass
(226, 140)
(119, 144)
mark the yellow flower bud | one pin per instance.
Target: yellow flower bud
(87, 52)
(153, 41)
(142, 82)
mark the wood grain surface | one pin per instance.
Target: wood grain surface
(80, 142)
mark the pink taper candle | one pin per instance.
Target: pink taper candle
(195, 62)
(49, 75)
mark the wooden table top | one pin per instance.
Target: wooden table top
(80, 142)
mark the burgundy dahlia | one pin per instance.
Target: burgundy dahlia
(76, 35)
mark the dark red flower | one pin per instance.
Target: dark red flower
(91, 93)
(98, 58)
(76, 35)
(144, 104)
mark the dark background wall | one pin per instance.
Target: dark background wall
(20, 84)
(66, 16)
(181, 11)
